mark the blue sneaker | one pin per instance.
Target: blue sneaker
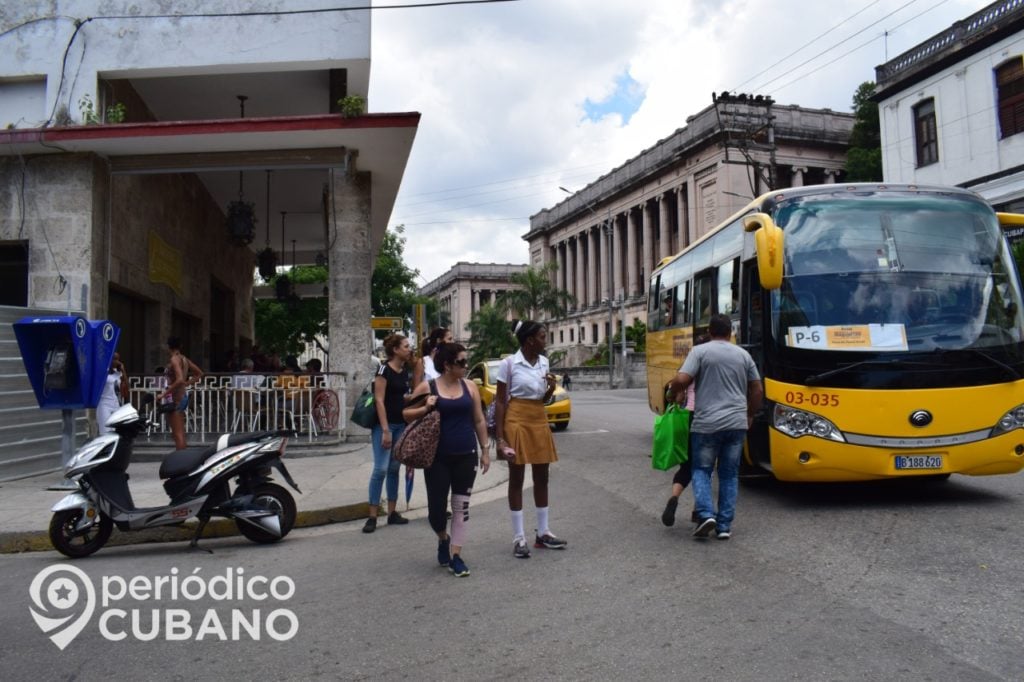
(458, 567)
(444, 555)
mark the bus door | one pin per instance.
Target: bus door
(752, 334)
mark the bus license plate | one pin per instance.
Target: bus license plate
(918, 461)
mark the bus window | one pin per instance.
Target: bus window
(668, 307)
(703, 294)
(653, 310)
(729, 287)
(684, 313)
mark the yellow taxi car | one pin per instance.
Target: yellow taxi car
(558, 408)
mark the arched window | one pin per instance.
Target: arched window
(1010, 88)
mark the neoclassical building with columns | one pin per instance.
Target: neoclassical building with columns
(465, 287)
(609, 236)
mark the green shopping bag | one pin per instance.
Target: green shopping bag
(671, 437)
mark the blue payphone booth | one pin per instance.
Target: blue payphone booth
(66, 359)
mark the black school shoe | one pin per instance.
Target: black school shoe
(370, 525)
(668, 517)
(396, 519)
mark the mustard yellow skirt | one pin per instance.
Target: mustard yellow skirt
(527, 431)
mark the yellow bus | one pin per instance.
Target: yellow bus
(886, 321)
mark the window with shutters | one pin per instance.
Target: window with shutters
(926, 136)
(1010, 88)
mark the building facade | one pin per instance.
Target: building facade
(608, 237)
(466, 287)
(131, 130)
(952, 108)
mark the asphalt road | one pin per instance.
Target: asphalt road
(864, 582)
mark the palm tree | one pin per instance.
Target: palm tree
(490, 335)
(536, 294)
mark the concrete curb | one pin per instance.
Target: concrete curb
(39, 541)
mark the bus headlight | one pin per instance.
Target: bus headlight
(1014, 419)
(797, 423)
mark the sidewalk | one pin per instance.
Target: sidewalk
(333, 483)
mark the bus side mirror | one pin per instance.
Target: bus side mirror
(1010, 219)
(769, 241)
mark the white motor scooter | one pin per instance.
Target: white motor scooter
(197, 481)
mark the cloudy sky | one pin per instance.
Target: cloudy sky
(520, 97)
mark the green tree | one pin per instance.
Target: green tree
(490, 335)
(1018, 255)
(864, 158)
(393, 285)
(536, 294)
(285, 325)
(636, 334)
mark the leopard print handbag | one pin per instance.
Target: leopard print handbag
(417, 445)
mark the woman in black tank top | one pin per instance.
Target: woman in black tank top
(463, 438)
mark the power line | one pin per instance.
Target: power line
(829, 49)
(861, 46)
(807, 44)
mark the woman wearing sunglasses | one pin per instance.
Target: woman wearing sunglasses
(463, 440)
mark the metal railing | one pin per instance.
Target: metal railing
(979, 24)
(311, 405)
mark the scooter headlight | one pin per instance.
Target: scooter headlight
(797, 423)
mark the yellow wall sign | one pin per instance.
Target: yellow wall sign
(164, 263)
(389, 323)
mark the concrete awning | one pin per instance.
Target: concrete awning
(305, 146)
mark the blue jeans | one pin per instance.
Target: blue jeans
(725, 448)
(384, 465)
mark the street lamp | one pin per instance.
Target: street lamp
(606, 227)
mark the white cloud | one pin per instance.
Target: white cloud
(502, 88)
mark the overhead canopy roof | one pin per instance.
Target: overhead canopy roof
(303, 146)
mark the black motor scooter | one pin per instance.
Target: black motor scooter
(197, 481)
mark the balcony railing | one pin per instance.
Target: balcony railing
(312, 405)
(959, 34)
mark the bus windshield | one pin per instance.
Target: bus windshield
(894, 272)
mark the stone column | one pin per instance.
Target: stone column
(664, 228)
(631, 252)
(830, 175)
(348, 301)
(614, 243)
(798, 175)
(648, 259)
(475, 305)
(682, 235)
(602, 260)
(581, 271)
(593, 238)
(570, 267)
(560, 260)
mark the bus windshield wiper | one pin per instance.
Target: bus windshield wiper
(815, 378)
(987, 356)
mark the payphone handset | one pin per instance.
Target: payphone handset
(56, 367)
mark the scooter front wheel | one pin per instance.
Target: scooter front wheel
(69, 542)
(277, 499)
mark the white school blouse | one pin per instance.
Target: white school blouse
(527, 381)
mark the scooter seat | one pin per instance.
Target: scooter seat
(183, 461)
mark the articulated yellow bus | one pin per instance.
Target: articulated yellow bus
(886, 321)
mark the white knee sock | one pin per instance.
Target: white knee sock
(517, 524)
(542, 521)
